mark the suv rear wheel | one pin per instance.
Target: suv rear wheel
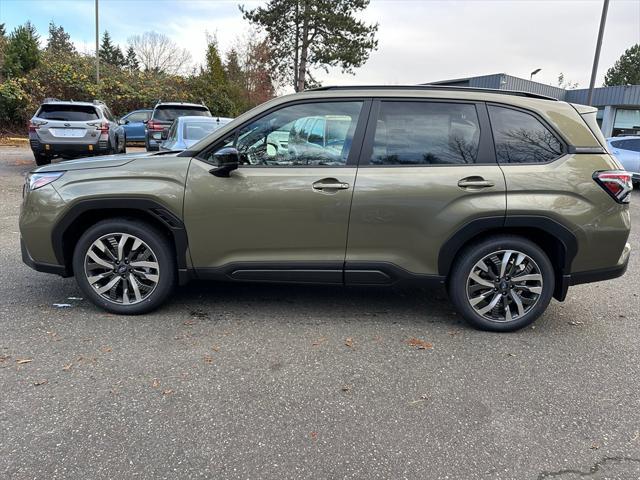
(124, 266)
(502, 284)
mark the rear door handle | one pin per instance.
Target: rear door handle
(475, 182)
(329, 184)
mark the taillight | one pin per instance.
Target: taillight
(152, 125)
(616, 183)
(34, 125)
(102, 126)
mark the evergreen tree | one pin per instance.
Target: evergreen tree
(21, 52)
(626, 71)
(131, 61)
(59, 41)
(110, 53)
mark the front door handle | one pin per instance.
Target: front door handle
(475, 182)
(329, 184)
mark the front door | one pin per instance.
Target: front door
(427, 170)
(283, 214)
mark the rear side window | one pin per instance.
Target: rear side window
(170, 113)
(521, 138)
(632, 144)
(68, 113)
(426, 133)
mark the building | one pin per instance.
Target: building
(618, 107)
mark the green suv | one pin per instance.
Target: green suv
(505, 198)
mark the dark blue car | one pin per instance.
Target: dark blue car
(134, 124)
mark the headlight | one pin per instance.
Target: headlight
(37, 180)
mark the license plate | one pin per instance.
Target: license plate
(68, 132)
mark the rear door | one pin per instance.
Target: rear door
(283, 214)
(427, 169)
(68, 123)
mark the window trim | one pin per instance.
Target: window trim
(356, 143)
(486, 149)
(566, 147)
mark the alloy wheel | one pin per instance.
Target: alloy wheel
(121, 268)
(504, 285)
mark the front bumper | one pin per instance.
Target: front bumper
(42, 267)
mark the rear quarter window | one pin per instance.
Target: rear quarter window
(521, 138)
(68, 113)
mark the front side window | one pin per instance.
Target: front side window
(199, 130)
(296, 136)
(137, 117)
(521, 138)
(424, 133)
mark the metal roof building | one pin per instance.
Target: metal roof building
(618, 107)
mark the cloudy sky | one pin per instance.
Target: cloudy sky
(419, 40)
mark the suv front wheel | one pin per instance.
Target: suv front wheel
(124, 266)
(502, 284)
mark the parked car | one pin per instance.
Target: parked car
(186, 131)
(627, 151)
(506, 198)
(163, 116)
(71, 129)
(134, 124)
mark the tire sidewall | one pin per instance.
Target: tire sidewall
(153, 238)
(471, 255)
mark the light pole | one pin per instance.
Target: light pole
(596, 58)
(97, 48)
(530, 76)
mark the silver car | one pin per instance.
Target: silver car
(185, 131)
(627, 151)
(74, 129)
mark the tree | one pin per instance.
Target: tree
(131, 61)
(59, 41)
(21, 53)
(626, 71)
(158, 53)
(566, 84)
(110, 53)
(255, 61)
(304, 35)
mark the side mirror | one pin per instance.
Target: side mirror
(165, 134)
(227, 160)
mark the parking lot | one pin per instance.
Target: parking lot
(264, 381)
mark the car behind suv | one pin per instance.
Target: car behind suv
(627, 150)
(505, 198)
(72, 129)
(163, 116)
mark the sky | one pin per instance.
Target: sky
(419, 40)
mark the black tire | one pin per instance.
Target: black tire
(157, 243)
(42, 159)
(464, 265)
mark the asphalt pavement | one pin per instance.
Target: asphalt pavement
(278, 382)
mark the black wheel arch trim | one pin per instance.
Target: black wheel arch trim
(158, 211)
(479, 226)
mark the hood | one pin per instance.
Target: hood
(108, 161)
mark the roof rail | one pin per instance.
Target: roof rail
(432, 87)
(98, 102)
(50, 99)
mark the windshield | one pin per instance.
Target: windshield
(68, 113)
(169, 114)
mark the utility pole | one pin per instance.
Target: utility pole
(596, 58)
(97, 48)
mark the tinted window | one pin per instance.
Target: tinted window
(68, 113)
(426, 133)
(632, 144)
(170, 113)
(198, 130)
(138, 117)
(272, 140)
(521, 138)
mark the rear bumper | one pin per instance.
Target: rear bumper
(601, 274)
(69, 148)
(42, 267)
